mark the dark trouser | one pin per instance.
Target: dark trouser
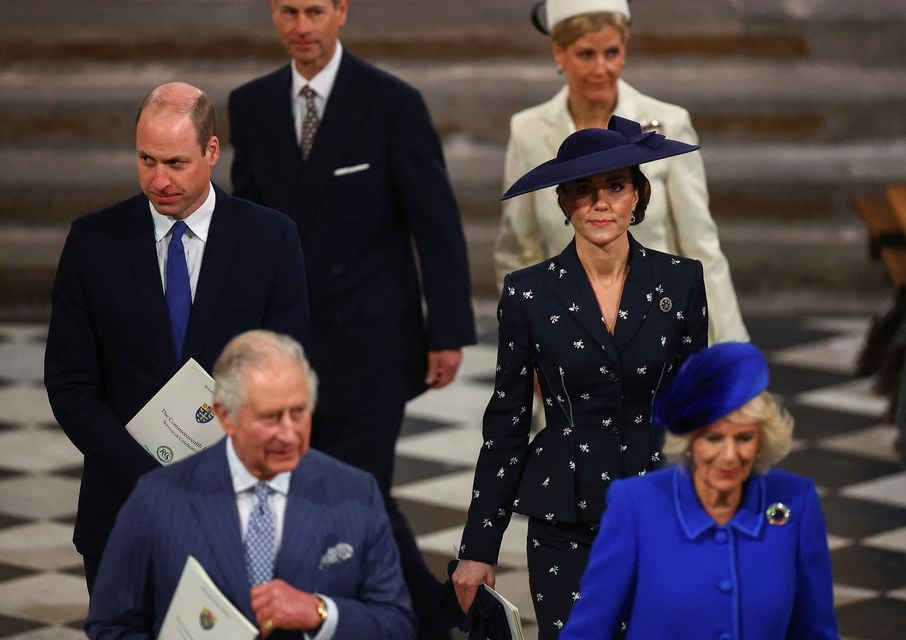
(91, 571)
(900, 418)
(369, 443)
(557, 554)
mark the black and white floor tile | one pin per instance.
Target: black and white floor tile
(840, 442)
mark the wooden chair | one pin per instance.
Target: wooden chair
(885, 220)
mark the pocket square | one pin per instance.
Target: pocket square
(353, 168)
(336, 554)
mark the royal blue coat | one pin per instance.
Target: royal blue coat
(663, 564)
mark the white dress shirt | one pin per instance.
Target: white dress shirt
(193, 240)
(321, 84)
(244, 486)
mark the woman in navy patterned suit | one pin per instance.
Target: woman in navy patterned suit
(603, 325)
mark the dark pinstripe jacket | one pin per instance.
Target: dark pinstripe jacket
(374, 184)
(189, 508)
(109, 347)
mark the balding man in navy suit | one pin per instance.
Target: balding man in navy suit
(130, 305)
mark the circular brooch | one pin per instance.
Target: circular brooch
(778, 513)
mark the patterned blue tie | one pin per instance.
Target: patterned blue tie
(179, 292)
(260, 538)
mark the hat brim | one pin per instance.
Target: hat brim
(554, 172)
(711, 384)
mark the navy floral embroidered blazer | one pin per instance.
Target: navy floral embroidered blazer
(597, 388)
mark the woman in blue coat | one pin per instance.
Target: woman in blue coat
(603, 325)
(716, 546)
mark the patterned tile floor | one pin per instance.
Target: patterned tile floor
(840, 442)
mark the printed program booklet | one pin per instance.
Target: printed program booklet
(179, 420)
(512, 614)
(199, 610)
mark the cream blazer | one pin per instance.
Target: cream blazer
(677, 220)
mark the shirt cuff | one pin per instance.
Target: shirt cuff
(330, 625)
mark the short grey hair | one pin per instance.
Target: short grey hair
(775, 425)
(248, 351)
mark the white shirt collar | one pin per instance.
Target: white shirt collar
(243, 480)
(323, 81)
(199, 221)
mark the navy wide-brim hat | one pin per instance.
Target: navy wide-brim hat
(711, 384)
(588, 152)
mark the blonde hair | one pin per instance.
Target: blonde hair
(775, 425)
(567, 31)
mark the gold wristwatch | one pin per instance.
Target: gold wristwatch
(322, 609)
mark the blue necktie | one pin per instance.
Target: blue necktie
(260, 538)
(179, 292)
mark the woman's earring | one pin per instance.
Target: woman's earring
(632, 216)
(559, 70)
(565, 222)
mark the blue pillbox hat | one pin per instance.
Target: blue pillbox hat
(710, 384)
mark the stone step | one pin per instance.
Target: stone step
(796, 181)
(425, 29)
(798, 103)
(94, 104)
(812, 265)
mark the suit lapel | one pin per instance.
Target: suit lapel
(578, 297)
(222, 238)
(214, 503)
(559, 120)
(639, 293)
(141, 255)
(346, 107)
(281, 130)
(303, 534)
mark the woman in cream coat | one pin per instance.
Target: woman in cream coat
(590, 48)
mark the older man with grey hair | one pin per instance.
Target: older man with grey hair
(298, 541)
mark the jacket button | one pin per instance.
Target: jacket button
(726, 636)
(720, 537)
(337, 269)
(612, 376)
(725, 586)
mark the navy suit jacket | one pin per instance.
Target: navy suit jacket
(596, 388)
(190, 508)
(109, 347)
(374, 181)
(662, 563)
